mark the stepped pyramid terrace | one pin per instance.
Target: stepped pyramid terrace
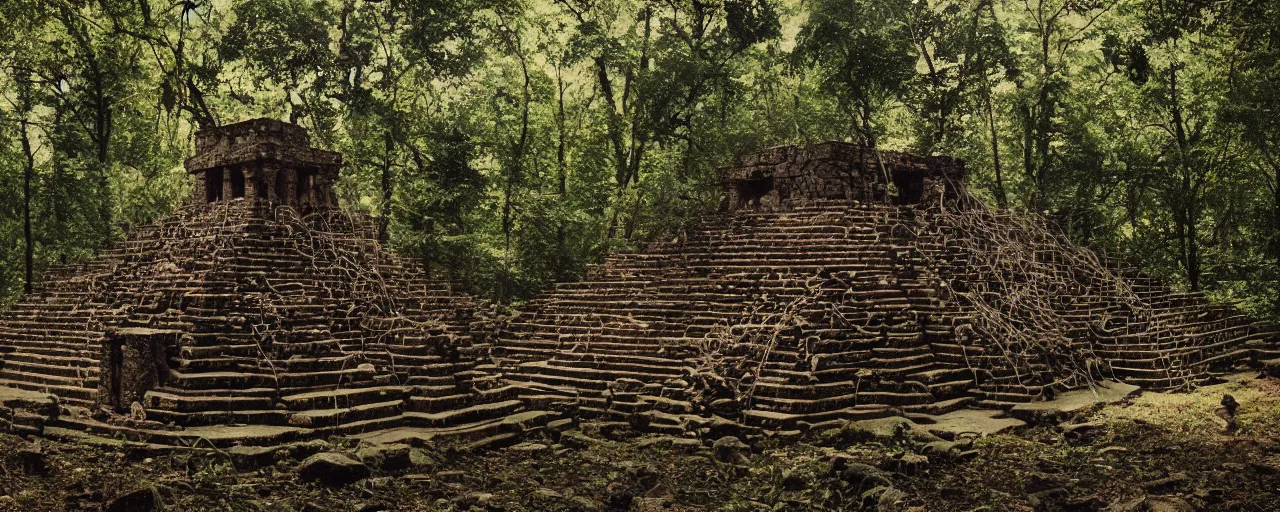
(842, 283)
(838, 283)
(259, 313)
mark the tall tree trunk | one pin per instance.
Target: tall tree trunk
(1187, 196)
(101, 131)
(516, 174)
(562, 175)
(1001, 197)
(1044, 126)
(103, 127)
(1193, 249)
(1275, 229)
(627, 156)
(388, 184)
(28, 174)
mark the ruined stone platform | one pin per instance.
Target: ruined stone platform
(258, 314)
(841, 283)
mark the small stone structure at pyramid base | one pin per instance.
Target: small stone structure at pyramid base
(257, 314)
(840, 283)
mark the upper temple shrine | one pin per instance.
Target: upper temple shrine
(263, 159)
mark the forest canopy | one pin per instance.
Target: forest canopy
(511, 143)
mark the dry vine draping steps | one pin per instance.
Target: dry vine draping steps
(840, 283)
(822, 295)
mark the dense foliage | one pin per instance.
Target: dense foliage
(510, 143)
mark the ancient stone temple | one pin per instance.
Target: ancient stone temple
(838, 283)
(263, 159)
(258, 313)
(845, 283)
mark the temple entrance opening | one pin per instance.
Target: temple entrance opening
(910, 186)
(750, 192)
(213, 185)
(133, 362)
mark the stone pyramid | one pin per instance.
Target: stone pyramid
(258, 313)
(839, 283)
(843, 283)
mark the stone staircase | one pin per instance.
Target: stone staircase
(300, 324)
(834, 309)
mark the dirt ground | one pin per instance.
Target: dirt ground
(1157, 452)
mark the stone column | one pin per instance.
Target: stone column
(266, 175)
(200, 194)
(226, 183)
(290, 191)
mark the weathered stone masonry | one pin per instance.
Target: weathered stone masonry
(253, 315)
(838, 283)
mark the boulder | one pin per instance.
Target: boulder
(892, 499)
(386, 457)
(730, 450)
(1048, 499)
(859, 476)
(332, 469)
(139, 500)
(32, 459)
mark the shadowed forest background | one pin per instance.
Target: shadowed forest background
(511, 143)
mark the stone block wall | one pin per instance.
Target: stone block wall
(835, 171)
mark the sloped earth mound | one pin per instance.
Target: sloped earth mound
(1167, 452)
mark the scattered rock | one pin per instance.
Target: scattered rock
(718, 427)
(1128, 505)
(529, 448)
(1080, 431)
(248, 458)
(675, 444)
(726, 406)
(386, 457)
(642, 475)
(859, 475)
(907, 463)
(1048, 499)
(1211, 495)
(794, 481)
(585, 504)
(1165, 483)
(945, 449)
(576, 439)
(611, 430)
(332, 469)
(482, 500)
(882, 430)
(493, 442)
(618, 497)
(1044, 481)
(892, 499)
(730, 450)
(139, 500)
(1167, 504)
(1088, 503)
(32, 459)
